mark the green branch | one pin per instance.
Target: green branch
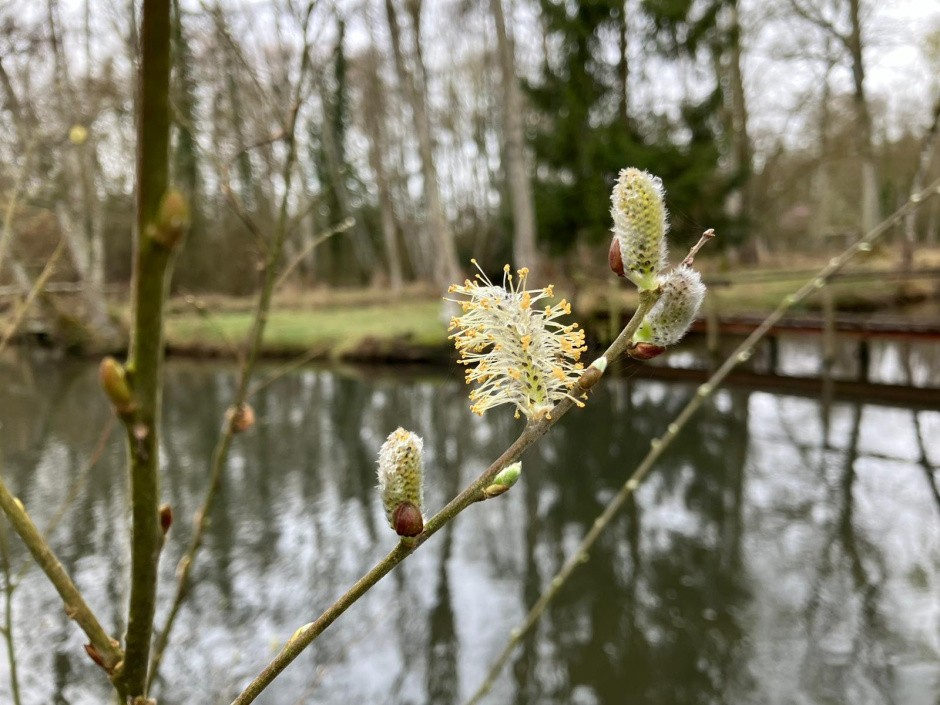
(306, 634)
(253, 347)
(158, 228)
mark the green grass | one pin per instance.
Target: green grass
(413, 323)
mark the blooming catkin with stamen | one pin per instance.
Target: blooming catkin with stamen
(400, 481)
(518, 353)
(638, 250)
(682, 292)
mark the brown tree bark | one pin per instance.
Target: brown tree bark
(447, 268)
(524, 250)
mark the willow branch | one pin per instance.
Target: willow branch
(741, 354)
(153, 259)
(253, 347)
(75, 606)
(306, 634)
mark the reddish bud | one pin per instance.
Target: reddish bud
(645, 351)
(241, 419)
(166, 518)
(94, 655)
(407, 520)
(591, 376)
(615, 258)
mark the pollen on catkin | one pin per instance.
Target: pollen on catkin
(400, 473)
(516, 352)
(682, 292)
(640, 225)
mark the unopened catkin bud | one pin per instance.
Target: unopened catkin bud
(114, 382)
(638, 251)
(681, 295)
(400, 481)
(506, 478)
(172, 219)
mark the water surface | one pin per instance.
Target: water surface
(779, 553)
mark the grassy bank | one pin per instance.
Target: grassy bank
(367, 324)
(402, 331)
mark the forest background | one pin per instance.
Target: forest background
(432, 132)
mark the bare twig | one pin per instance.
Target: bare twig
(345, 225)
(12, 202)
(7, 629)
(286, 369)
(706, 236)
(657, 446)
(199, 306)
(38, 286)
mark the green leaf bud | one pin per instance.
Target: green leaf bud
(505, 478)
(114, 382)
(172, 219)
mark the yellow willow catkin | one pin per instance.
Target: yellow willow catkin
(517, 353)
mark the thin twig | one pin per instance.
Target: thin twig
(7, 629)
(706, 236)
(199, 306)
(38, 286)
(318, 240)
(658, 445)
(306, 634)
(286, 369)
(75, 606)
(12, 202)
(253, 348)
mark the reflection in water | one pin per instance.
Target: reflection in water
(780, 553)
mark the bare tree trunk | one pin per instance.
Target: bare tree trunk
(928, 145)
(738, 202)
(624, 68)
(524, 251)
(79, 211)
(375, 124)
(447, 269)
(365, 253)
(870, 211)
(821, 185)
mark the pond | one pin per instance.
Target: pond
(783, 551)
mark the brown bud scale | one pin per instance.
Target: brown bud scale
(645, 351)
(166, 518)
(615, 258)
(407, 520)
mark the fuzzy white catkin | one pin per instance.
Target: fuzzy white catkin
(640, 224)
(400, 471)
(680, 299)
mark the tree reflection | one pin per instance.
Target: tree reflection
(672, 607)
